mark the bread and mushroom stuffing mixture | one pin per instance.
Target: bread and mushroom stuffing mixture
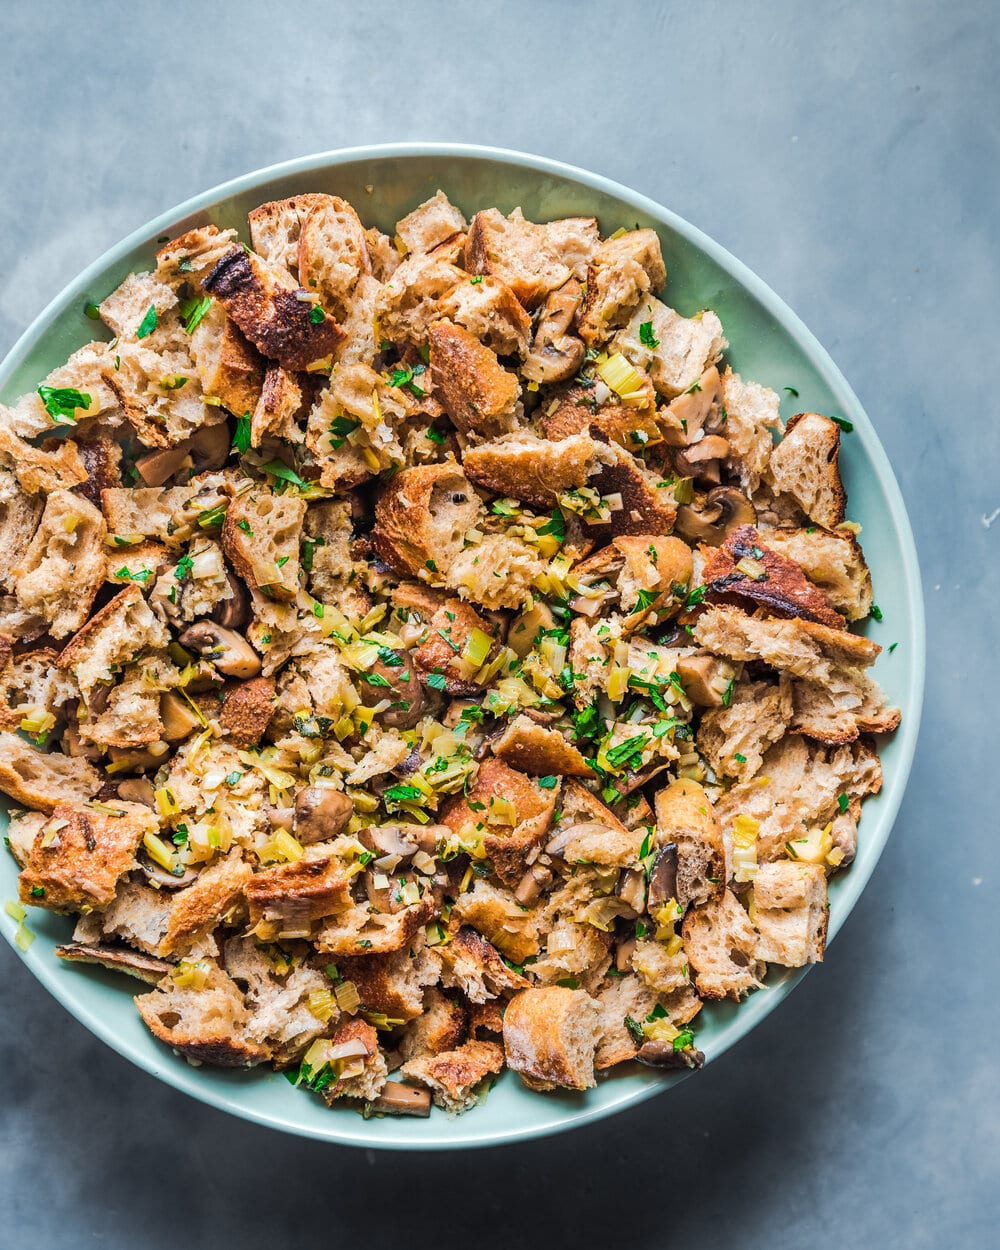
(422, 656)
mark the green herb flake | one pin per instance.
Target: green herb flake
(280, 470)
(403, 794)
(244, 525)
(792, 391)
(435, 435)
(436, 681)
(148, 324)
(555, 525)
(184, 566)
(876, 612)
(646, 336)
(548, 783)
(845, 425)
(241, 435)
(317, 314)
(740, 759)
(126, 575)
(193, 310)
(92, 310)
(635, 1031)
(61, 402)
(233, 777)
(842, 802)
(476, 280)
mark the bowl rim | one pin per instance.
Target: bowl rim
(750, 1012)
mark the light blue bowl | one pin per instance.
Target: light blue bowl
(769, 344)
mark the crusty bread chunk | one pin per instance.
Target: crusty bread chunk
(275, 228)
(19, 517)
(406, 304)
(684, 346)
(421, 518)
(333, 253)
(365, 1072)
(291, 896)
(392, 983)
(138, 914)
(751, 419)
(160, 393)
(790, 913)
(261, 537)
(63, 567)
(686, 819)
(757, 716)
(539, 751)
(201, 906)
(745, 568)
(206, 1023)
(532, 259)
(279, 407)
(497, 572)
(126, 309)
(475, 390)
(720, 943)
(832, 560)
(455, 1076)
(550, 1035)
(847, 703)
(802, 648)
(507, 812)
(54, 465)
(117, 634)
(129, 715)
(262, 300)
(184, 260)
(355, 425)
(490, 311)
(41, 781)
(229, 368)
(473, 965)
(156, 512)
(442, 1025)
(621, 272)
(798, 789)
(80, 853)
(532, 469)
(623, 997)
(431, 223)
(22, 830)
(500, 918)
(804, 468)
(653, 565)
(358, 930)
(647, 507)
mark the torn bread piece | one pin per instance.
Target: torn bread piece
(264, 302)
(720, 943)
(229, 368)
(421, 518)
(675, 351)
(41, 781)
(832, 560)
(535, 470)
(479, 395)
(275, 229)
(455, 1076)
(63, 568)
(621, 271)
(261, 536)
(19, 517)
(115, 635)
(537, 750)
(490, 311)
(81, 852)
(550, 1036)
(530, 258)
(790, 912)
(332, 254)
(430, 224)
(804, 468)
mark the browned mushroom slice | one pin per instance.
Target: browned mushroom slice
(715, 517)
(666, 1055)
(555, 353)
(230, 653)
(706, 678)
(321, 812)
(399, 1099)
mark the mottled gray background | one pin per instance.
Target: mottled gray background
(849, 154)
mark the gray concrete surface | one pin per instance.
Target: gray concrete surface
(850, 154)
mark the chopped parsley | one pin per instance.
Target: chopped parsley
(435, 435)
(126, 575)
(403, 376)
(555, 525)
(184, 566)
(148, 324)
(842, 802)
(548, 783)
(317, 314)
(244, 525)
(233, 777)
(635, 1030)
(193, 310)
(432, 565)
(792, 391)
(892, 647)
(740, 759)
(876, 612)
(476, 280)
(340, 427)
(38, 891)
(645, 599)
(92, 310)
(568, 983)
(436, 681)
(646, 336)
(403, 794)
(280, 470)
(241, 435)
(844, 424)
(376, 679)
(61, 402)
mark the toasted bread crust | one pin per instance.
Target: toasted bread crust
(533, 469)
(421, 517)
(782, 587)
(270, 314)
(247, 708)
(475, 390)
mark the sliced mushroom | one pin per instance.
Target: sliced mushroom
(536, 879)
(623, 954)
(179, 718)
(701, 459)
(234, 612)
(137, 790)
(394, 677)
(663, 1055)
(722, 511)
(209, 447)
(321, 812)
(162, 877)
(663, 878)
(160, 466)
(399, 1099)
(230, 653)
(116, 959)
(390, 840)
(705, 678)
(555, 353)
(281, 818)
(139, 758)
(563, 838)
(631, 889)
(74, 744)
